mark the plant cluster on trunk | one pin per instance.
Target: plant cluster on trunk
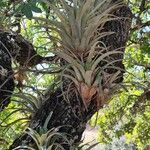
(73, 103)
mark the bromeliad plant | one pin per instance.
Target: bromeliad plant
(88, 76)
(47, 140)
(78, 30)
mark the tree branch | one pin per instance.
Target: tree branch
(140, 104)
(137, 27)
(43, 71)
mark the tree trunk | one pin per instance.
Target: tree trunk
(71, 117)
(6, 72)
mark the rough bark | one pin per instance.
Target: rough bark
(70, 115)
(6, 72)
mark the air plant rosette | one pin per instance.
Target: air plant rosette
(79, 29)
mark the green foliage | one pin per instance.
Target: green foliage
(128, 112)
(28, 8)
